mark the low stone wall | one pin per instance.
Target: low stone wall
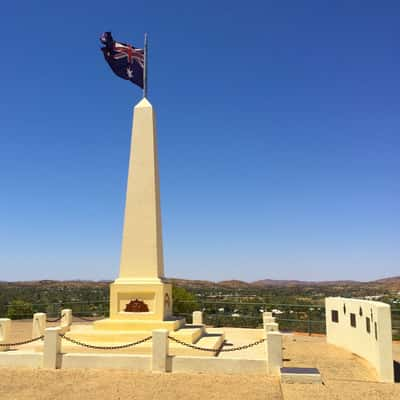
(173, 363)
(106, 361)
(26, 359)
(364, 328)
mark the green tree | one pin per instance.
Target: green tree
(19, 309)
(184, 301)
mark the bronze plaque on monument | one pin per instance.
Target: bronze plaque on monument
(136, 306)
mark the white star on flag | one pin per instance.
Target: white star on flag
(129, 72)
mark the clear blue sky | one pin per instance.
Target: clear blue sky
(279, 137)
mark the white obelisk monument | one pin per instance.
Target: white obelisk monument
(142, 265)
(141, 276)
(142, 252)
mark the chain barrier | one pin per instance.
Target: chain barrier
(56, 319)
(53, 320)
(21, 343)
(91, 346)
(87, 319)
(247, 346)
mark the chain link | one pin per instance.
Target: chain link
(55, 320)
(21, 343)
(87, 319)
(247, 346)
(91, 346)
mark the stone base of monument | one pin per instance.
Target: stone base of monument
(108, 333)
(113, 325)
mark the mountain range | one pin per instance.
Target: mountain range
(391, 283)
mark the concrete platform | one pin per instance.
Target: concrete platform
(172, 324)
(187, 333)
(211, 341)
(191, 334)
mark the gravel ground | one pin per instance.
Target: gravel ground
(345, 377)
(76, 384)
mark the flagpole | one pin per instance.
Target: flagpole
(145, 67)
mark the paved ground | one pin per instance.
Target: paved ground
(238, 337)
(345, 376)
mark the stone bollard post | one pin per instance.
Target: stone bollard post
(52, 348)
(5, 329)
(271, 327)
(160, 350)
(38, 324)
(66, 320)
(274, 352)
(268, 318)
(197, 317)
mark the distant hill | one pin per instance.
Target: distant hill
(272, 282)
(52, 283)
(391, 283)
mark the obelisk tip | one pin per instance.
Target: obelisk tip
(143, 103)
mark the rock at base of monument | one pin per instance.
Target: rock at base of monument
(300, 375)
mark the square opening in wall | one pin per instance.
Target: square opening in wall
(335, 315)
(368, 324)
(353, 320)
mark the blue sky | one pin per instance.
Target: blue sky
(279, 137)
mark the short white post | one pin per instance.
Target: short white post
(271, 327)
(160, 350)
(197, 317)
(274, 352)
(38, 324)
(5, 329)
(267, 318)
(66, 319)
(52, 347)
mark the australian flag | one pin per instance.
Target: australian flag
(125, 60)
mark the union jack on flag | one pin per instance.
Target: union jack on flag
(125, 60)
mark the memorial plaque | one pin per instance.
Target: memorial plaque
(136, 306)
